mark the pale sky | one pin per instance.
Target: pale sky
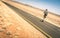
(51, 5)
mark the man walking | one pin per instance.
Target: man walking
(45, 14)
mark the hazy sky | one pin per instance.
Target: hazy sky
(51, 5)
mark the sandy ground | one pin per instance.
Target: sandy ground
(38, 13)
(12, 25)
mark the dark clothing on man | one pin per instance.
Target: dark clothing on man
(45, 13)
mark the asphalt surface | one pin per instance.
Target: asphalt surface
(49, 28)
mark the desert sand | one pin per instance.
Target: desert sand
(12, 25)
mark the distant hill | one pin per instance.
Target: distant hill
(36, 8)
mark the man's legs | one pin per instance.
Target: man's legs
(44, 17)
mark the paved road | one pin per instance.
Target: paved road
(49, 28)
